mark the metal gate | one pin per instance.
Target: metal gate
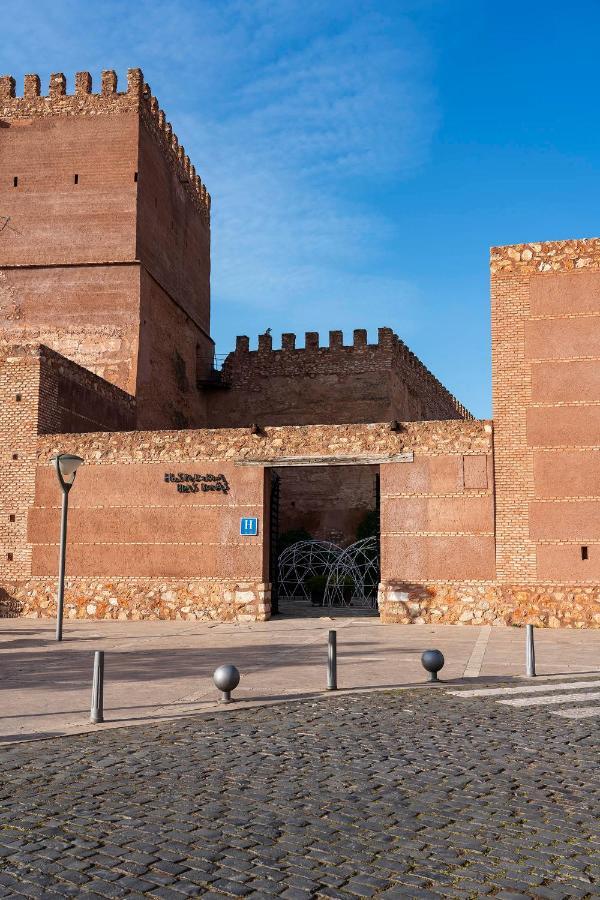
(274, 543)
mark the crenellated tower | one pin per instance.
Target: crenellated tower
(105, 239)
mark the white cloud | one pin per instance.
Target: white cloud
(294, 114)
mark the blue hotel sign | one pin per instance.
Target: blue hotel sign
(249, 526)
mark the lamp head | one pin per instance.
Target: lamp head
(66, 468)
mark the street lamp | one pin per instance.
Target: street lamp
(66, 470)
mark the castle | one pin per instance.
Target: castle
(106, 350)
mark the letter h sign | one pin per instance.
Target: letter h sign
(249, 526)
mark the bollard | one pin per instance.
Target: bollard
(432, 661)
(332, 661)
(226, 679)
(97, 710)
(529, 652)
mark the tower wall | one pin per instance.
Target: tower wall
(173, 222)
(68, 231)
(104, 222)
(167, 370)
(546, 357)
(89, 314)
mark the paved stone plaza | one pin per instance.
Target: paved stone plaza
(415, 793)
(160, 670)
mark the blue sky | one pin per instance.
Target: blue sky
(362, 157)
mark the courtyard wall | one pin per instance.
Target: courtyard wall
(141, 548)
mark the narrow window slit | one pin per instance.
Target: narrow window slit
(584, 553)
(15, 181)
(75, 179)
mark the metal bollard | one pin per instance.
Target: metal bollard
(97, 710)
(432, 661)
(226, 679)
(332, 661)
(529, 652)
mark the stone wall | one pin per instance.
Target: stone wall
(334, 384)
(196, 599)
(489, 603)
(270, 445)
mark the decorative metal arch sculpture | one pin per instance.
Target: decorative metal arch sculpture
(358, 564)
(352, 574)
(301, 561)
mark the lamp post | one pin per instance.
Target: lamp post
(66, 470)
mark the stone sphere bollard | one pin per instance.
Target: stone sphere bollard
(432, 661)
(226, 679)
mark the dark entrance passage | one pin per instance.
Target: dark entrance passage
(324, 539)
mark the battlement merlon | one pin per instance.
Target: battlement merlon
(388, 345)
(83, 102)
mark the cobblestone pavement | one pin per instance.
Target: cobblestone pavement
(406, 794)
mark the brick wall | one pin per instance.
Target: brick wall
(173, 224)
(42, 392)
(337, 383)
(437, 536)
(19, 404)
(546, 354)
(173, 244)
(139, 548)
(126, 520)
(172, 364)
(88, 315)
(329, 502)
(437, 518)
(74, 400)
